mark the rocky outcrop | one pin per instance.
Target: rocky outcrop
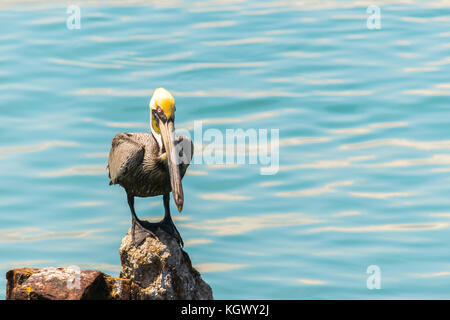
(160, 270)
(157, 268)
(64, 284)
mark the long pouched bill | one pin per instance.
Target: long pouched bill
(168, 135)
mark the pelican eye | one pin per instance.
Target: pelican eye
(159, 110)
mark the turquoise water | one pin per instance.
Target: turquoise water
(363, 118)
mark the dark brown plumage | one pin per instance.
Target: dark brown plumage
(136, 163)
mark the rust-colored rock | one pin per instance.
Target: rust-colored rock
(64, 284)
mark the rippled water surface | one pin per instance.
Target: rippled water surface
(364, 175)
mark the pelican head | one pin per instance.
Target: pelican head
(162, 118)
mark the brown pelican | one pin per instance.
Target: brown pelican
(152, 164)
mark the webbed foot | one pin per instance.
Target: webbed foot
(141, 229)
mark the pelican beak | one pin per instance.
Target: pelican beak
(168, 138)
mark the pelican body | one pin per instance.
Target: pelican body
(152, 164)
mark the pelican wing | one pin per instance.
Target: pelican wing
(126, 154)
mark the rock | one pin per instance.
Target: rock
(159, 269)
(63, 284)
(156, 269)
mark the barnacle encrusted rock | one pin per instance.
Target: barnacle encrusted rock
(160, 269)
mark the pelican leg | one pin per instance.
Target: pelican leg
(141, 228)
(138, 231)
(167, 223)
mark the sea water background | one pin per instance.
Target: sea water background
(363, 116)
